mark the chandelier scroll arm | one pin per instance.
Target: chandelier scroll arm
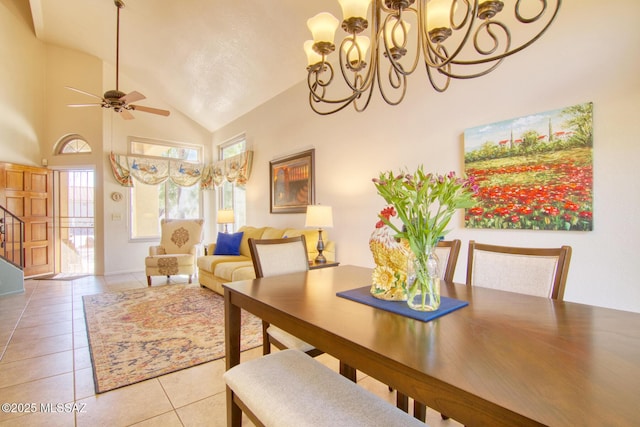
(428, 45)
(366, 103)
(444, 70)
(459, 39)
(345, 102)
(316, 84)
(523, 46)
(524, 20)
(402, 84)
(392, 56)
(345, 66)
(447, 72)
(528, 21)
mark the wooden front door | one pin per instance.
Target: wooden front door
(27, 192)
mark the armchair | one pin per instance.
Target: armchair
(177, 251)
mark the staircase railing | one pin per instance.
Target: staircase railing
(11, 238)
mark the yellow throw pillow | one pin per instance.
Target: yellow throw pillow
(272, 233)
(310, 236)
(249, 232)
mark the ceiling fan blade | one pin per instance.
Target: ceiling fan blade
(125, 114)
(85, 105)
(132, 97)
(150, 110)
(83, 92)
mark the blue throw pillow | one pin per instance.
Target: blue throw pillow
(228, 244)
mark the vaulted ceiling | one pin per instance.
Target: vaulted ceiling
(212, 60)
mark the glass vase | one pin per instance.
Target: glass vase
(423, 281)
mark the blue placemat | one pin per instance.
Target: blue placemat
(362, 295)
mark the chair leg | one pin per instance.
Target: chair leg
(266, 345)
(419, 411)
(190, 278)
(148, 280)
(402, 402)
(348, 372)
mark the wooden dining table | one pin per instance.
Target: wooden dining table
(504, 359)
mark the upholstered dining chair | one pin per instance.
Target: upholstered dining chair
(272, 257)
(532, 271)
(447, 252)
(177, 252)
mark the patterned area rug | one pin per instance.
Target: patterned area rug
(139, 334)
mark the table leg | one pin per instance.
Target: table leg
(232, 354)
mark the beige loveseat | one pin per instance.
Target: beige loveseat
(214, 270)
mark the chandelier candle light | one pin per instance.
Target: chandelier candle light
(425, 203)
(459, 39)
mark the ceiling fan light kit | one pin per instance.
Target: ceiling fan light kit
(119, 101)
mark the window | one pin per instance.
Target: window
(72, 144)
(152, 203)
(151, 148)
(233, 196)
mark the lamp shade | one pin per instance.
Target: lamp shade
(438, 14)
(312, 56)
(354, 8)
(225, 216)
(319, 216)
(323, 26)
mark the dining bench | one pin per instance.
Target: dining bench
(289, 388)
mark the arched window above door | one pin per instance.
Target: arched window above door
(72, 144)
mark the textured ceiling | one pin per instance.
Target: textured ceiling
(212, 60)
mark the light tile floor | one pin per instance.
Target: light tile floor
(44, 359)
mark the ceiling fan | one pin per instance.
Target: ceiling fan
(119, 101)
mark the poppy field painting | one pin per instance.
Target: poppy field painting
(533, 172)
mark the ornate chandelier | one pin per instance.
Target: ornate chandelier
(460, 39)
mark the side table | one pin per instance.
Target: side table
(314, 265)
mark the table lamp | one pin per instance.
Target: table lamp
(226, 217)
(319, 216)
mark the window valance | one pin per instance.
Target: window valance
(152, 171)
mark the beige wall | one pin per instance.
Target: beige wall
(34, 116)
(573, 63)
(22, 84)
(66, 67)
